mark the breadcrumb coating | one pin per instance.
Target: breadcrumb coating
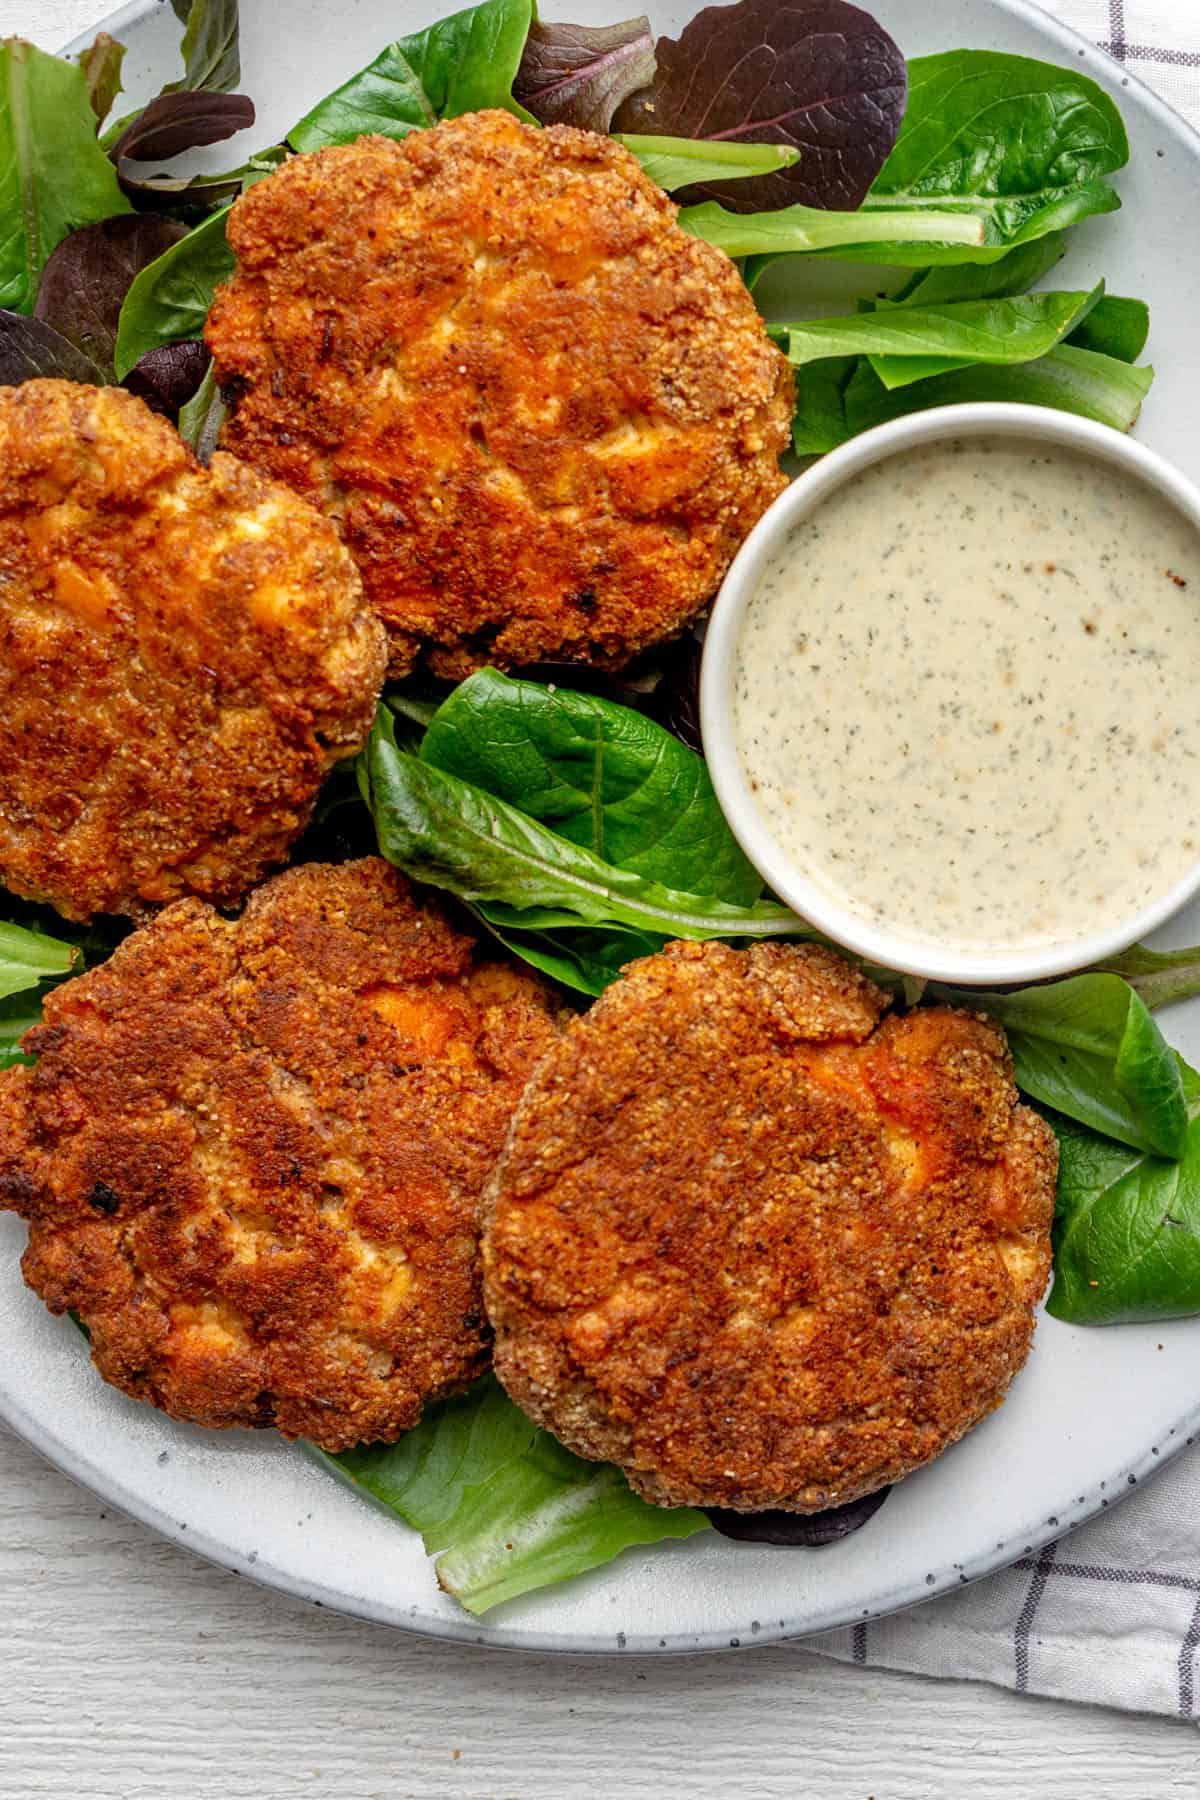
(251, 1153)
(542, 415)
(758, 1247)
(184, 653)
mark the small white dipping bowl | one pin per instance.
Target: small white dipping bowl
(876, 942)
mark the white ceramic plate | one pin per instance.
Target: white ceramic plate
(1093, 1413)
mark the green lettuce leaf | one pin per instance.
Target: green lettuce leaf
(501, 1504)
(54, 177)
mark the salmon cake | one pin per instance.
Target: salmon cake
(759, 1244)
(542, 415)
(251, 1153)
(184, 654)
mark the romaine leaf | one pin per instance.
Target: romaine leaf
(461, 64)
(27, 957)
(1126, 1227)
(680, 162)
(1088, 1047)
(101, 65)
(1118, 327)
(170, 299)
(819, 75)
(453, 835)
(1073, 380)
(795, 229)
(1161, 977)
(54, 177)
(85, 282)
(579, 74)
(600, 775)
(911, 343)
(501, 1504)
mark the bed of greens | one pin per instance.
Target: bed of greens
(571, 816)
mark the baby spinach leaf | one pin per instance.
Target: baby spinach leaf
(210, 52)
(1088, 1047)
(1116, 327)
(28, 957)
(1014, 273)
(84, 284)
(453, 835)
(461, 64)
(1126, 1227)
(601, 775)
(19, 1013)
(31, 348)
(585, 959)
(54, 177)
(916, 236)
(579, 74)
(679, 162)
(1024, 145)
(170, 299)
(819, 75)
(911, 343)
(101, 65)
(820, 423)
(503, 1506)
(1073, 380)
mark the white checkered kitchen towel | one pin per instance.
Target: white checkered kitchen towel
(1110, 1614)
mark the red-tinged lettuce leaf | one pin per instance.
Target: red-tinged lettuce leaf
(804, 1531)
(579, 74)
(30, 348)
(101, 65)
(85, 282)
(177, 122)
(819, 75)
(168, 377)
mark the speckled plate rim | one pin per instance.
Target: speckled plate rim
(39, 1427)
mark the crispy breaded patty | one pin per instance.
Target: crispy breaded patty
(251, 1153)
(184, 653)
(755, 1246)
(542, 415)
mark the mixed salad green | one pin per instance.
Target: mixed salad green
(574, 818)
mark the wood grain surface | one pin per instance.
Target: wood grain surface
(129, 1670)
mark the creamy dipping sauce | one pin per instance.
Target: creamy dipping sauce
(967, 694)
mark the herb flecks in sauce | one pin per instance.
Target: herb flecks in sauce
(965, 699)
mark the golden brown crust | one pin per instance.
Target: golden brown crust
(251, 1153)
(183, 655)
(542, 415)
(757, 1249)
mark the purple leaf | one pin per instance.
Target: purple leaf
(182, 121)
(807, 1531)
(86, 279)
(675, 702)
(30, 347)
(167, 377)
(820, 75)
(579, 74)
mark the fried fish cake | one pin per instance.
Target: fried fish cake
(542, 415)
(251, 1153)
(758, 1247)
(184, 653)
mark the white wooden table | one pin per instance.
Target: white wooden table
(131, 1671)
